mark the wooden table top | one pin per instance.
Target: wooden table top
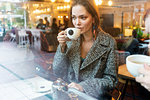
(123, 71)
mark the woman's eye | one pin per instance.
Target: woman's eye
(73, 18)
(83, 17)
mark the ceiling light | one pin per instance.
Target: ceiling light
(67, 0)
(53, 0)
(109, 2)
(100, 2)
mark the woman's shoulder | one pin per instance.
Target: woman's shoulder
(105, 36)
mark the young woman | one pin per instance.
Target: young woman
(88, 63)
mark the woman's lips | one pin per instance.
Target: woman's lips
(79, 27)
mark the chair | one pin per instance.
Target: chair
(121, 60)
(12, 37)
(116, 93)
(121, 57)
(36, 34)
(48, 42)
(23, 38)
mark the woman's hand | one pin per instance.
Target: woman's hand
(144, 79)
(76, 86)
(62, 38)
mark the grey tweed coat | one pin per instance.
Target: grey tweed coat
(97, 74)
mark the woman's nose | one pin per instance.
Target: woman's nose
(78, 21)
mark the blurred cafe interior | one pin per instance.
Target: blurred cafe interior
(27, 51)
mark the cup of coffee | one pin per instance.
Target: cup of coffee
(134, 62)
(73, 33)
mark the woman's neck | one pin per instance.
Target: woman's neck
(87, 41)
(87, 37)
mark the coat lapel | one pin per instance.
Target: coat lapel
(98, 49)
(75, 57)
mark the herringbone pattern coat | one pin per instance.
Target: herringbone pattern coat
(97, 74)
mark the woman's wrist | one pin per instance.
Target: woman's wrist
(63, 47)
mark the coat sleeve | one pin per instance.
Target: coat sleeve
(96, 87)
(60, 64)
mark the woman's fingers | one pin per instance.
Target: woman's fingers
(144, 81)
(61, 37)
(61, 33)
(140, 78)
(147, 67)
(145, 70)
(76, 86)
(144, 78)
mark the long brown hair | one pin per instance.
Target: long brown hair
(91, 7)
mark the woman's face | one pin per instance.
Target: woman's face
(82, 19)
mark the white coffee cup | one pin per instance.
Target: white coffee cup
(73, 33)
(134, 62)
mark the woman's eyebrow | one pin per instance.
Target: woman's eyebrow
(79, 15)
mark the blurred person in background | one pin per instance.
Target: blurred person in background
(144, 79)
(54, 27)
(41, 25)
(132, 45)
(47, 22)
(88, 63)
(60, 25)
(9, 33)
(66, 22)
(55, 31)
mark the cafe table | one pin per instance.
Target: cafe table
(123, 72)
(37, 88)
(125, 75)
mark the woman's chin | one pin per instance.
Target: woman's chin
(81, 33)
